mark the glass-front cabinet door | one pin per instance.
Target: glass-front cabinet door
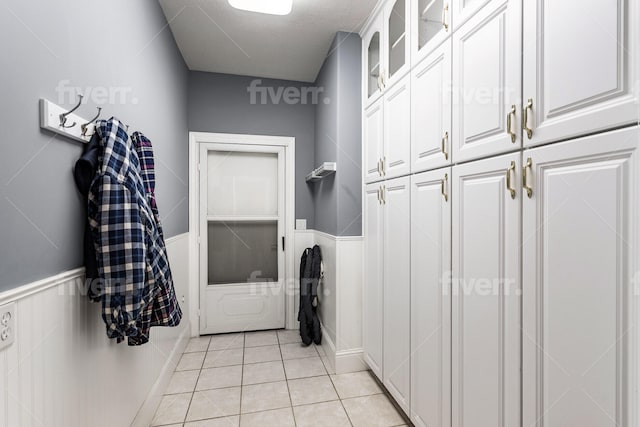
(430, 27)
(397, 42)
(372, 47)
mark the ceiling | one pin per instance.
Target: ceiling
(213, 36)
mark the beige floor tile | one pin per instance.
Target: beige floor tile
(327, 365)
(263, 397)
(296, 351)
(274, 418)
(290, 336)
(172, 409)
(320, 350)
(233, 421)
(304, 391)
(268, 353)
(198, 344)
(182, 382)
(259, 339)
(191, 361)
(356, 384)
(226, 341)
(263, 373)
(303, 368)
(228, 376)
(328, 414)
(372, 411)
(229, 357)
(214, 403)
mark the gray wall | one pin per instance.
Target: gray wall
(221, 103)
(121, 47)
(338, 198)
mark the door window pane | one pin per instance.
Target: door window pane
(242, 184)
(243, 252)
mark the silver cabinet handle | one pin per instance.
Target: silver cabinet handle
(525, 118)
(445, 12)
(443, 187)
(510, 171)
(525, 183)
(445, 143)
(510, 120)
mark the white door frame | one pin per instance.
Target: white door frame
(196, 138)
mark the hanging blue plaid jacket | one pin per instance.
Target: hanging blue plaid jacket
(126, 236)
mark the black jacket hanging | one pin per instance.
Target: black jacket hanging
(310, 273)
(83, 173)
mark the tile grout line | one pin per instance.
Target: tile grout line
(286, 381)
(193, 393)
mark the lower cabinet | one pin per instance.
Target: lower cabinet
(486, 358)
(581, 283)
(396, 372)
(431, 299)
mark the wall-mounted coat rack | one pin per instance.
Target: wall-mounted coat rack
(326, 169)
(65, 122)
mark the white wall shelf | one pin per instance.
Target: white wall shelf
(326, 169)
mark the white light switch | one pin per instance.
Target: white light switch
(7, 325)
(301, 224)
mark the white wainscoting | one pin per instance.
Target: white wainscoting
(340, 297)
(62, 371)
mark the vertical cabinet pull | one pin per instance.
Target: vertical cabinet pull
(384, 194)
(384, 166)
(525, 118)
(380, 167)
(379, 197)
(510, 120)
(443, 187)
(445, 21)
(510, 171)
(445, 143)
(525, 183)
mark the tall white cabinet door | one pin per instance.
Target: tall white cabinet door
(487, 83)
(580, 67)
(397, 47)
(581, 299)
(373, 141)
(397, 289)
(486, 356)
(431, 299)
(431, 111)
(430, 26)
(372, 61)
(397, 129)
(373, 278)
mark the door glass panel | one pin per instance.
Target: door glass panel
(397, 37)
(429, 20)
(242, 184)
(374, 63)
(243, 251)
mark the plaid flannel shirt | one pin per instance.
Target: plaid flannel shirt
(126, 236)
(164, 309)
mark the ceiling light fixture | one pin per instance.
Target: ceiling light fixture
(271, 7)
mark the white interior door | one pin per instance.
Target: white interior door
(242, 212)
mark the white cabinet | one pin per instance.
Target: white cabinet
(397, 289)
(397, 129)
(430, 26)
(373, 141)
(487, 82)
(397, 44)
(373, 278)
(373, 61)
(580, 67)
(486, 322)
(431, 111)
(581, 287)
(465, 9)
(431, 299)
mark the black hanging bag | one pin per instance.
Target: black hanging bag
(310, 274)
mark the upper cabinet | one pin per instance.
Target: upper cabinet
(465, 9)
(431, 25)
(580, 68)
(372, 59)
(398, 47)
(487, 83)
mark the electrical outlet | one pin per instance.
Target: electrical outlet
(7, 325)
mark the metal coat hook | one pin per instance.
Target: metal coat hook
(85, 126)
(63, 116)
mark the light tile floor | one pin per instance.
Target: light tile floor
(269, 379)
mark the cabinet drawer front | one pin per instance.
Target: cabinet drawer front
(580, 269)
(580, 67)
